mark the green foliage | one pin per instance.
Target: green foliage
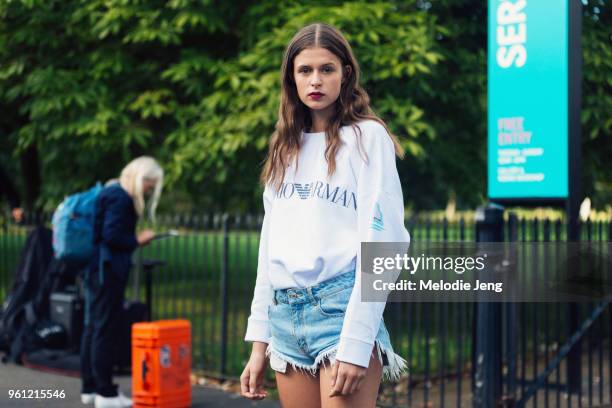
(239, 114)
(83, 81)
(597, 102)
(195, 83)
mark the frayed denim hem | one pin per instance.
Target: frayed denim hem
(396, 367)
(391, 372)
(304, 368)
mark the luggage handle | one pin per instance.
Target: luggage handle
(145, 370)
(147, 266)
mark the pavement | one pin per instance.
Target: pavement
(15, 377)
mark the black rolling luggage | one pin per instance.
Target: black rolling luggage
(66, 309)
(133, 312)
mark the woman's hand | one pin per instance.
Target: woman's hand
(145, 236)
(252, 378)
(346, 378)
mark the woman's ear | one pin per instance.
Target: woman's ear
(346, 73)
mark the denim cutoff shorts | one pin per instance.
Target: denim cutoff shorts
(305, 325)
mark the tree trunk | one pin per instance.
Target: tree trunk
(30, 169)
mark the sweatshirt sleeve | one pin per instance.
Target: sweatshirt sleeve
(115, 231)
(380, 218)
(258, 328)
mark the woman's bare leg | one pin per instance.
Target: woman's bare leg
(365, 397)
(298, 389)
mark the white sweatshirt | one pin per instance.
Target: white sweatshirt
(314, 225)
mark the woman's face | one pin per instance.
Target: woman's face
(318, 78)
(148, 185)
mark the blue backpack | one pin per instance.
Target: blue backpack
(73, 225)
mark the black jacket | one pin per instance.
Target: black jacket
(114, 233)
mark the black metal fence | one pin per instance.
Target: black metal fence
(209, 277)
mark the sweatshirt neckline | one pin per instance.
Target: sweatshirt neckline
(314, 133)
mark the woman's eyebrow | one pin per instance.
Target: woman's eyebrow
(322, 65)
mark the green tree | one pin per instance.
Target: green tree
(82, 82)
(222, 141)
(597, 102)
(87, 85)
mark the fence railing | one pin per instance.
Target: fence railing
(210, 274)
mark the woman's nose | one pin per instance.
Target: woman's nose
(315, 79)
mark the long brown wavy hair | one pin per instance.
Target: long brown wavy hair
(352, 105)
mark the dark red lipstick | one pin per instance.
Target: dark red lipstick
(316, 95)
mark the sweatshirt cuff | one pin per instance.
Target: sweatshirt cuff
(258, 330)
(354, 351)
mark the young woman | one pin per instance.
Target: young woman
(330, 183)
(117, 210)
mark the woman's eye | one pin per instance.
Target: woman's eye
(325, 70)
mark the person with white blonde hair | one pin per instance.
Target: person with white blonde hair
(140, 176)
(118, 207)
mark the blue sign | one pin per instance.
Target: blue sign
(528, 99)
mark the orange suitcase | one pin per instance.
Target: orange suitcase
(161, 364)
